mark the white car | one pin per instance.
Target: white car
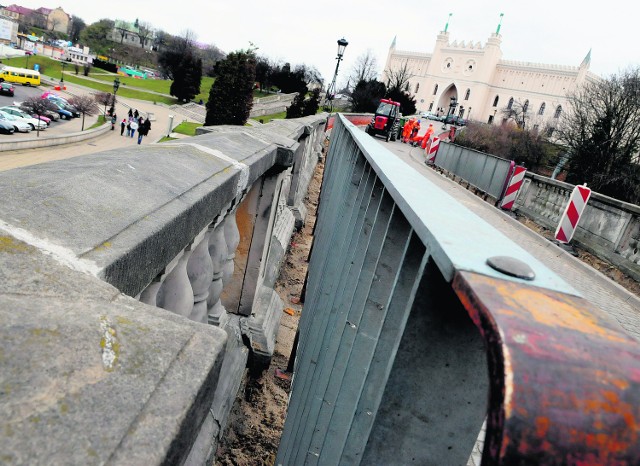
(18, 123)
(33, 122)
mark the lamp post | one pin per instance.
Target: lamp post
(116, 85)
(63, 64)
(494, 116)
(469, 115)
(328, 103)
(453, 103)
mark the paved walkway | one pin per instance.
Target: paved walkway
(111, 140)
(594, 286)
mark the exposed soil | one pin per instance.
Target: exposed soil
(257, 417)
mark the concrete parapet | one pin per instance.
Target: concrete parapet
(117, 379)
(608, 228)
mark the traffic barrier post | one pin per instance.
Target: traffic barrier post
(517, 179)
(572, 213)
(432, 150)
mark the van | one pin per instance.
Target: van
(22, 76)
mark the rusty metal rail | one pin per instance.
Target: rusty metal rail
(421, 321)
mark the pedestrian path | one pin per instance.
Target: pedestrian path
(162, 116)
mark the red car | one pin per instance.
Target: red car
(28, 52)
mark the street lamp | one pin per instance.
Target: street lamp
(63, 64)
(452, 105)
(116, 86)
(469, 115)
(342, 44)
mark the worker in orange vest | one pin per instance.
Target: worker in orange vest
(406, 130)
(422, 140)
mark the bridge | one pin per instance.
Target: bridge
(137, 286)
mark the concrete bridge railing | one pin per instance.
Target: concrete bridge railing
(608, 228)
(135, 285)
(421, 321)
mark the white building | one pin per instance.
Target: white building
(483, 83)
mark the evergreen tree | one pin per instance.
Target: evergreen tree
(296, 108)
(187, 78)
(312, 104)
(406, 100)
(231, 96)
(366, 95)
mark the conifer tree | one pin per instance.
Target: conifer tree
(231, 96)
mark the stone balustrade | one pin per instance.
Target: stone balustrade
(131, 280)
(608, 228)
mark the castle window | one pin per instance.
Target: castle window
(510, 104)
(541, 111)
(558, 111)
(468, 93)
(417, 87)
(431, 106)
(435, 90)
(495, 101)
(525, 107)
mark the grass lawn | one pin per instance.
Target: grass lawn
(129, 87)
(273, 116)
(187, 128)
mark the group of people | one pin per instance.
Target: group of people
(410, 133)
(135, 122)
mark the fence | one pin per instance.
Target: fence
(483, 171)
(421, 321)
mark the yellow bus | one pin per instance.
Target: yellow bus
(20, 76)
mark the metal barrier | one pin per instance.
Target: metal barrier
(417, 327)
(484, 171)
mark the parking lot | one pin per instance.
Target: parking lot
(55, 128)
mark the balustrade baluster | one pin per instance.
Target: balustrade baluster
(200, 273)
(218, 253)
(176, 294)
(232, 238)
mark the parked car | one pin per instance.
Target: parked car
(64, 114)
(430, 116)
(20, 112)
(6, 127)
(65, 104)
(455, 120)
(6, 88)
(18, 123)
(34, 122)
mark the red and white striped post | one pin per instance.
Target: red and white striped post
(517, 179)
(432, 150)
(572, 213)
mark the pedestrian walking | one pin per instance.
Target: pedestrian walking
(128, 128)
(134, 127)
(136, 114)
(130, 114)
(143, 129)
(123, 125)
(114, 118)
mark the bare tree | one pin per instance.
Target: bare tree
(38, 106)
(518, 112)
(364, 69)
(398, 79)
(145, 31)
(85, 105)
(103, 98)
(601, 129)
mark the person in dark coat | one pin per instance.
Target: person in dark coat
(123, 125)
(143, 129)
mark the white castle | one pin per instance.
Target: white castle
(483, 84)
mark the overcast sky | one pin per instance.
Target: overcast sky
(545, 31)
